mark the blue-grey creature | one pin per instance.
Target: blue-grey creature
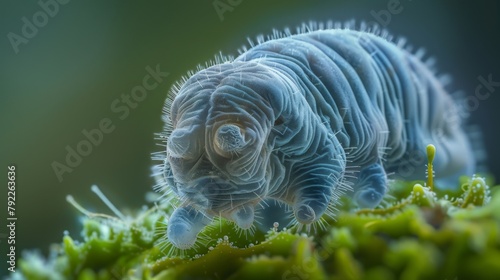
(302, 119)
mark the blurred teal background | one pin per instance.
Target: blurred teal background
(65, 78)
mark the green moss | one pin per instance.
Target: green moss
(419, 234)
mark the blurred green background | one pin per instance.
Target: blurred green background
(65, 78)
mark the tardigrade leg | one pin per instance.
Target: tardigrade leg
(314, 180)
(184, 226)
(312, 200)
(371, 186)
(244, 216)
(314, 186)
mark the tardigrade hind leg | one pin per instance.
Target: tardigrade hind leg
(184, 226)
(371, 186)
(454, 158)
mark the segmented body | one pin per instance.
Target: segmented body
(302, 120)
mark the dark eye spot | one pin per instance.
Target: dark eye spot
(279, 121)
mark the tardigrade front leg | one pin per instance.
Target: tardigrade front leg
(184, 226)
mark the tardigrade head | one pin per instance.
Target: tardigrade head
(218, 151)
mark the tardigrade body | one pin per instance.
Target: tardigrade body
(301, 120)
